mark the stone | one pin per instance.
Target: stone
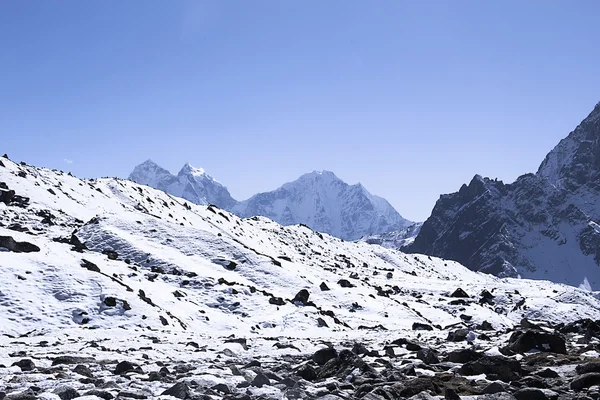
(323, 355)
(180, 390)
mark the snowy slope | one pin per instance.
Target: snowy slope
(327, 204)
(172, 265)
(541, 226)
(191, 183)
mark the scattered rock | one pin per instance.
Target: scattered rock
(25, 365)
(180, 390)
(9, 243)
(459, 293)
(301, 297)
(323, 355)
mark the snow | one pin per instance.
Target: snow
(172, 264)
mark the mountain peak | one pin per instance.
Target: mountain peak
(188, 169)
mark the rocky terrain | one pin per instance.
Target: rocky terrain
(542, 226)
(110, 289)
(319, 200)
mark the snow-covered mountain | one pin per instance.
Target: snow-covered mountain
(327, 204)
(151, 295)
(319, 200)
(192, 184)
(542, 226)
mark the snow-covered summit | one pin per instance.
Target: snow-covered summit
(191, 183)
(318, 199)
(324, 202)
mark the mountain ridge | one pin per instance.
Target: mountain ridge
(540, 226)
(318, 199)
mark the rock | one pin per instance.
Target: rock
(83, 370)
(530, 394)
(463, 356)
(89, 265)
(307, 372)
(99, 393)
(9, 243)
(323, 286)
(458, 335)
(494, 387)
(124, 367)
(260, 380)
(25, 365)
(586, 380)
(593, 366)
(323, 355)
(504, 368)
(345, 283)
(524, 341)
(221, 387)
(66, 393)
(181, 390)
(24, 395)
(301, 297)
(111, 254)
(277, 301)
(415, 386)
(321, 323)
(110, 301)
(485, 326)
(132, 395)
(417, 326)
(346, 364)
(549, 373)
(428, 356)
(459, 293)
(450, 394)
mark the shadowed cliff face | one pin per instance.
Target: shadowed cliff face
(541, 226)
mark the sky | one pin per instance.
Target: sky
(412, 99)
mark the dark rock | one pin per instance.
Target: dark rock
(323, 355)
(585, 381)
(278, 301)
(321, 323)
(463, 356)
(180, 390)
(485, 326)
(530, 394)
(345, 283)
(324, 287)
(450, 394)
(111, 254)
(428, 356)
(89, 265)
(593, 366)
(25, 365)
(301, 296)
(221, 387)
(28, 394)
(417, 326)
(124, 367)
(132, 395)
(344, 364)
(260, 380)
(99, 393)
(459, 293)
(66, 393)
(307, 372)
(9, 243)
(458, 335)
(548, 373)
(83, 370)
(494, 387)
(415, 386)
(524, 341)
(110, 301)
(504, 368)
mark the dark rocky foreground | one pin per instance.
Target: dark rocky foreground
(533, 361)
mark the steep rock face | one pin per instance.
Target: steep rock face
(193, 184)
(542, 226)
(395, 239)
(327, 204)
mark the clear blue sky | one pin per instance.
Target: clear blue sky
(411, 98)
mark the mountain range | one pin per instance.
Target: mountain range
(318, 199)
(542, 226)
